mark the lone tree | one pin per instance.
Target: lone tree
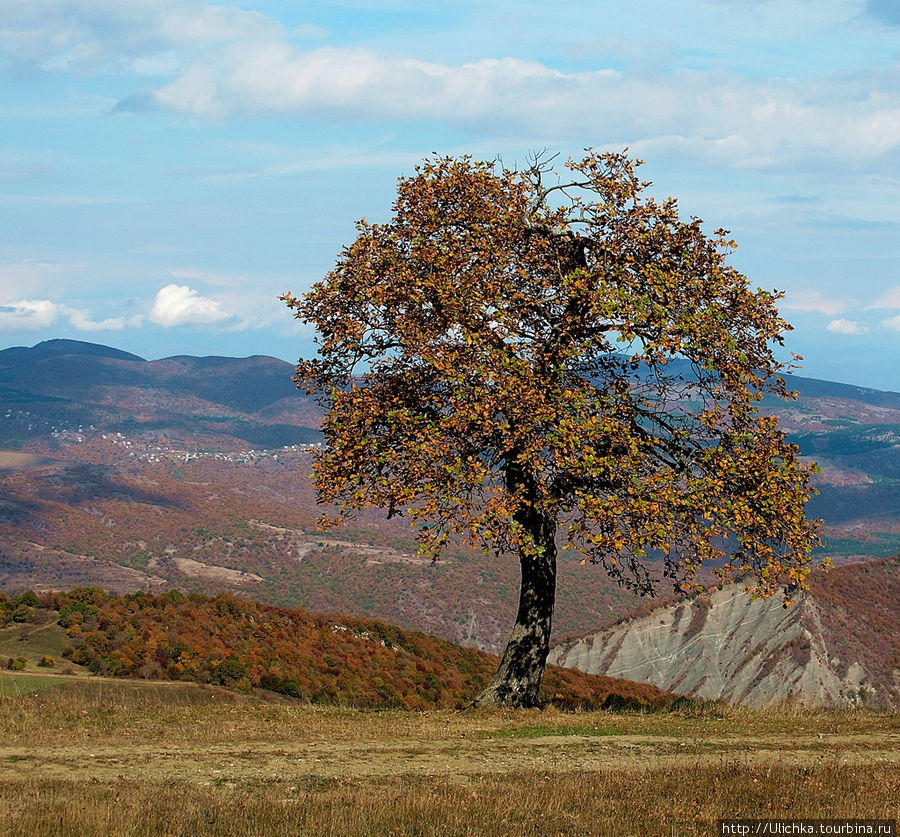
(529, 364)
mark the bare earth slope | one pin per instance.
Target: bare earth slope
(829, 648)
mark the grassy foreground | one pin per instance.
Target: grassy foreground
(102, 757)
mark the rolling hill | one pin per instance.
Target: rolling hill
(244, 645)
(64, 386)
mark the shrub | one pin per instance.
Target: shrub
(22, 613)
(291, 688)
(17, 664)
(229, 671)
(47, 661)
(620, 703)
(88, 595)
(29, 598)
(75, 613)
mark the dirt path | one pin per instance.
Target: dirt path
(454, 758)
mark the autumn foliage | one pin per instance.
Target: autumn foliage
(243, 644)
(857, 608)
(518, 364)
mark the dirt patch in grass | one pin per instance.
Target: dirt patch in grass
(449, 758)
(209, 572)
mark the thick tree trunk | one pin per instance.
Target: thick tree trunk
(517, 682)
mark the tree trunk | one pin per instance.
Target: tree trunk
(517, 682)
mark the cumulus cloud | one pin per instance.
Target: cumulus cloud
(28, 315)
(892, 323)
(37, 314)
(813, 300)
(251, 301)
(843, 326)
(177, 305)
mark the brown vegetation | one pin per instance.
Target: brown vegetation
(129, 758)
(859, 606)
(126, 525)
(247, 645)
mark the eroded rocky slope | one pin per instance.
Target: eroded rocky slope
(826, 649)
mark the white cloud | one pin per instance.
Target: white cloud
(705, 113)
(150, 36)
(890, 299)
(813, 300)
(28, 315)
(892, 323)
(177, 305)
(360, 83)
(37, 314)
(843, 326)
(226, 62)
(81, 320)
(251, 301)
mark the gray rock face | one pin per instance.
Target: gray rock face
(725, 645)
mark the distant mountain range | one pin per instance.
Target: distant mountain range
(220, 403)
(63, 385)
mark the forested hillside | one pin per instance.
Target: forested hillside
(246, 645)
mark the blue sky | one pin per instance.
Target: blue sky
(169, 167)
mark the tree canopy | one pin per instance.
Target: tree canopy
(530, 360)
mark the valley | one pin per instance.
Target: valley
(193, 474)
(212, 522)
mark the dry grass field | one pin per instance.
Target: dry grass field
(92, 756)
